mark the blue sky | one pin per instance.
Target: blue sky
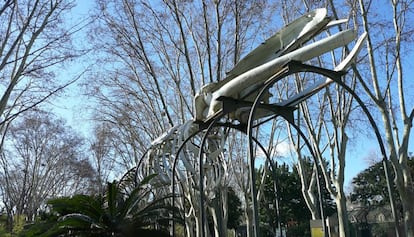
(73, 108)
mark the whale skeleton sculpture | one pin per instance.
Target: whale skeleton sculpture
(243, 83)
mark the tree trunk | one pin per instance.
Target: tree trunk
(397, 141)
(406, 196)
(408, 207)
(217, 215)
(248, 212)
(342, 214)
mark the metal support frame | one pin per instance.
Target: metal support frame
(231, 105)
(339, 82)
(239, 127)
(289, 69)
(295, 67)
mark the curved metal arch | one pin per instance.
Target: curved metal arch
(339, 82)
(296, 67)
(380, 143)
(201, 173)
(215, 123)
(310, 148)
(134, 169)
(173, 174)
(288, 69)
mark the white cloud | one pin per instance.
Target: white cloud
(283, 148)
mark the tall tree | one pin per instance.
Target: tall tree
(159, 62)
(386, 84)
(381, 81)
(42, 158)
(35, 42)
(293, 214)
(370, 189)
(325, 120)
(106, 157)
(159, 54)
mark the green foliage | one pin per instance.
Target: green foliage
(45, 225)
(234, 208)
(112, 214)
(3, 225)
(288, 195)
(370, 192)
(294, 213)
(370, 186)
(17, 225)
(329, 206)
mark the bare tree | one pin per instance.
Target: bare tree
(380, 80)
(387, 85)
(109, 157)
(157, 56)
(34, 43)
(325, 120)
(41, 159)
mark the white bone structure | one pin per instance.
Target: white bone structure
(246, 78)
(266, 60)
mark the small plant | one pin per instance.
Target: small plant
(113, 214)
